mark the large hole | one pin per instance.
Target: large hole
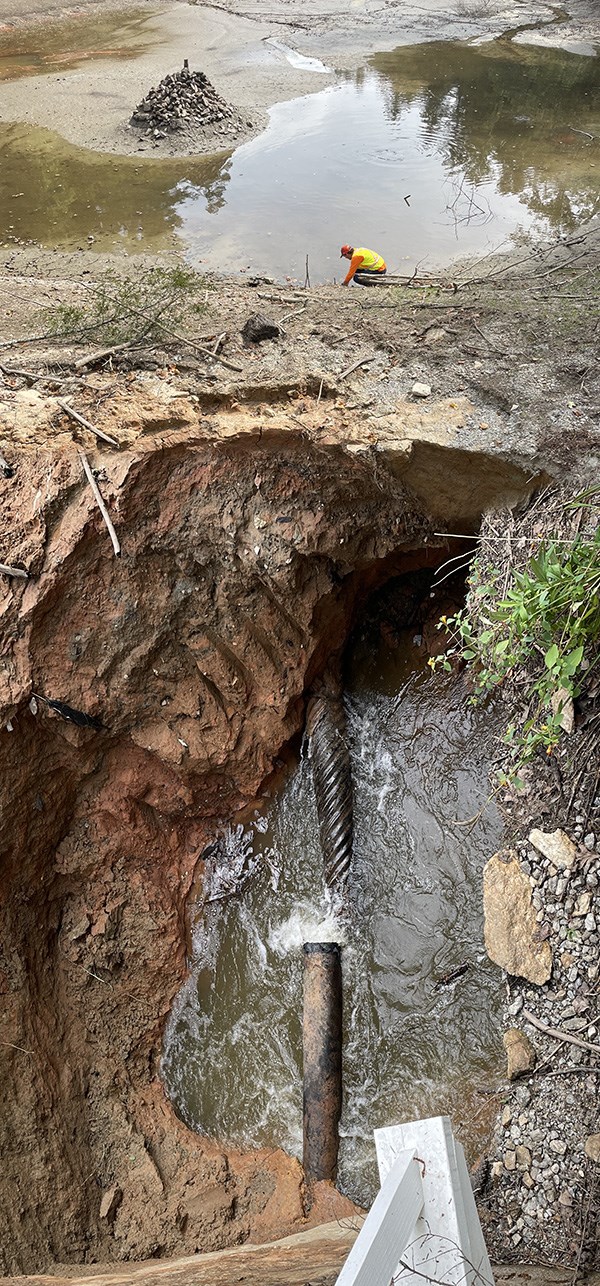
(415, 1045)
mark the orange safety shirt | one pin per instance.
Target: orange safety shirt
(363, 258)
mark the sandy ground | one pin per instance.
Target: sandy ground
(228, 44)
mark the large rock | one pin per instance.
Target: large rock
(511, 930)
(556, 846)
(257, 328)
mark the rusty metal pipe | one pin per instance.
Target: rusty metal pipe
(322, 1052)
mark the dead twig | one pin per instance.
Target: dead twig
(557, 1034)
(13, 571)
(363, 362)
(99, 501)
(80, 419)
(297, 313)
(585, 132)
(92, 359)
(501, 351)
(192, 343)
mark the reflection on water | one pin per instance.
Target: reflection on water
(505, 111)
(60, 195)
(232, 1060)
(64, 43)
(431, 151)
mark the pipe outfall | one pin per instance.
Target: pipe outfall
(322, 1057)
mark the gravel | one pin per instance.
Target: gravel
(540, 1202)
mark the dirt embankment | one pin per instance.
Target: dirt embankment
(253, 509)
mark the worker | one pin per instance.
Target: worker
(364, 261)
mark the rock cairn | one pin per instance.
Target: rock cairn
(185, 98)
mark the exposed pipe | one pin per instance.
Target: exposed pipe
(322, 1053)
(332, 778)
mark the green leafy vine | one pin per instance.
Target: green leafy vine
(543, 632)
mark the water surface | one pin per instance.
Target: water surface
(429, 152)
(232, 1061)
(62, 43)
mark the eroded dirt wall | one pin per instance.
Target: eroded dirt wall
(240, 566)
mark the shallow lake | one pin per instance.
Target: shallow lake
(430, 152)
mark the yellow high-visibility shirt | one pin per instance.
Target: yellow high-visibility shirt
(363, 258)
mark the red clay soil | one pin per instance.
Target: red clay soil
(241, 564)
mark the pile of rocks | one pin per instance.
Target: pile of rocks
(185, 98)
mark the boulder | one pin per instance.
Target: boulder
(512, 935)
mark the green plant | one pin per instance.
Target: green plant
(121, 309)
(543, 630)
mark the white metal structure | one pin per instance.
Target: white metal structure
(423, 1225)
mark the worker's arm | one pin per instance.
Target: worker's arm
(355, 263)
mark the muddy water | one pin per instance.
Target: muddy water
(232, 1060)
(429, 152)
(62, 44)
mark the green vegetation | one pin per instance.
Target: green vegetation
(538, 626)
(124, 309)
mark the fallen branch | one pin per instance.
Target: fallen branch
(363, 362)
(80, 419)
(214, 357)
(13, 571)
(92, 359)
(24, 375)
(217, 344)
(99, 501)
(278, 299)
(557, 1034)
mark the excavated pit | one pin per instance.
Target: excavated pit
(247, 550)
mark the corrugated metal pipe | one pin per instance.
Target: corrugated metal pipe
(332, 779)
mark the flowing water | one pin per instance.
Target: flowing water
(428, 152)
(232, 1059)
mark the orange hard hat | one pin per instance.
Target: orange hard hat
(345, 250)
